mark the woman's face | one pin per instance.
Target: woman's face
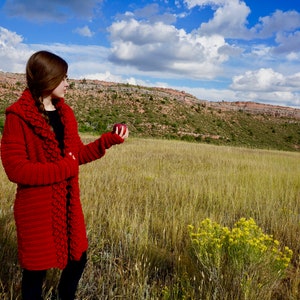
(61, 89)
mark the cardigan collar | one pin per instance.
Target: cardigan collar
(26, 109)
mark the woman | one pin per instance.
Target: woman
(41, 151)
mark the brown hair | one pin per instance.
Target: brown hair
(44, 72)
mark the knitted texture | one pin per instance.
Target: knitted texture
(47, 235)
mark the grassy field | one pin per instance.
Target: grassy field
(139, 201)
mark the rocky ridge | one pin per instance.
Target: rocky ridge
(8, 81)
(169, 113)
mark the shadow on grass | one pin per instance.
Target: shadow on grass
(10, 272)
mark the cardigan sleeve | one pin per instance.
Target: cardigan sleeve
(20, 169)
(97, 149)
(86, 152)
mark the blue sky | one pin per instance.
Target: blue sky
(217, 50)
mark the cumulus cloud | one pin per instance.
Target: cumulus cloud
(164, 48)
(45, 10)
(229, 20)
(279, 21)
(267, 85)
(9, 39)
(265, 79)
(13, 53)
(259, 80)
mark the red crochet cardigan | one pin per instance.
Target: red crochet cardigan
(31, 157)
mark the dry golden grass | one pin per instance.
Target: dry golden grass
(139, 199)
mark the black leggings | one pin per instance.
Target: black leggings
(32, 281)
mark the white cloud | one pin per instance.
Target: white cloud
(258, 80)
(107, 76)
(211, 94)
(9, 39)
(262, 51)
(84, 31)
(268, 81)
(162, 48)
(229, 20)
(276, 97)
(279, 21)
(13, 53)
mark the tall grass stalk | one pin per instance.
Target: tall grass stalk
(139, 200)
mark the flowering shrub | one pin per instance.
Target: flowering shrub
(243, 261)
